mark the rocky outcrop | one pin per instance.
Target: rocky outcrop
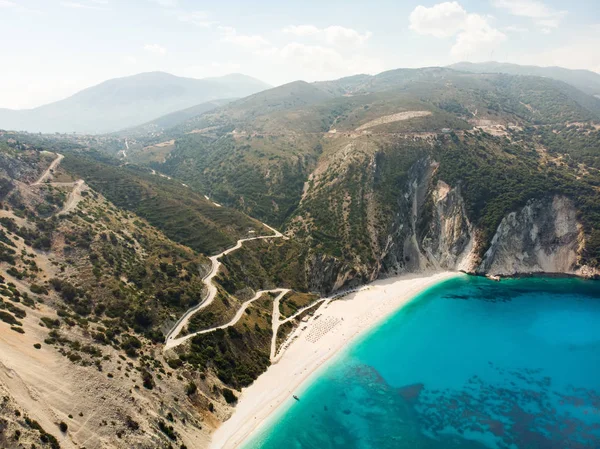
(449, 242)
(434, 232)
(402, 251)
(544, 236)
(430, 230)
(325, 274)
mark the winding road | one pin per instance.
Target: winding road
(275, 356)
(171, 341)
(240, 313)
(49, 170)
(74, 196)
(276, 322)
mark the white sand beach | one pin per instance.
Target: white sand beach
(332, 327)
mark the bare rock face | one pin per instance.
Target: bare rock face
(432, 231)
(448, 243)
(326, 274)
(541, 237)
(401, 252)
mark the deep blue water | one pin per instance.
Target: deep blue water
(470, 363)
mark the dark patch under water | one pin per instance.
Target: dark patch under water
(470, 364)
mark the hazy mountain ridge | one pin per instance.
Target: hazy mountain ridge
(584, 80)
(124, 102)
(172, 119)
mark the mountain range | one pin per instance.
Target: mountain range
(333, 162)
(125, 102)
(142, 266)
(584, 80)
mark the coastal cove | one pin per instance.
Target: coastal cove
(455, 361)
(345, 319)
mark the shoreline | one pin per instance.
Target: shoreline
(316, 342)
(538, 274)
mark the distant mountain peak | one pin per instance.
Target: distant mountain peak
(128, 101)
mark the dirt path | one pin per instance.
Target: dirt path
(48, 172)
(171, 341)
(74, 197)
(240, 313)
(276, 322)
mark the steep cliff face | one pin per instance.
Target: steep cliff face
(428, 229)
(402, 251)
(544, 236)
(449, 241)
(432, 230)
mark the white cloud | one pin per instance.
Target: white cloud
(166, 3)
(301, 30)
(332, 35)
(18, 8)
(316, 57)
(78, 5)
(251, 42)
(198, 18)
(156, 49)
(545, 17)
(441, 20)
(473, 32)
(515, 29)
(341, 36)
(476, 34)
(317, 62)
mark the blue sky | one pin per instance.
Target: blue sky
(53, 48)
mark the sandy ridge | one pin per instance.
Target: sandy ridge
(398, 117)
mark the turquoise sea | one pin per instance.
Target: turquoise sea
(470, 363)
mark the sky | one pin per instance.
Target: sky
(51, 49)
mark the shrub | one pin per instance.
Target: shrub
(230, 398)
(167, 430)
(131, 424)
(38, 289)
(191, 388)
(147, 379)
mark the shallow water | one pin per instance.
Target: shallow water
(470, 363)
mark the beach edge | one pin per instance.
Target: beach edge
(354, 315)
